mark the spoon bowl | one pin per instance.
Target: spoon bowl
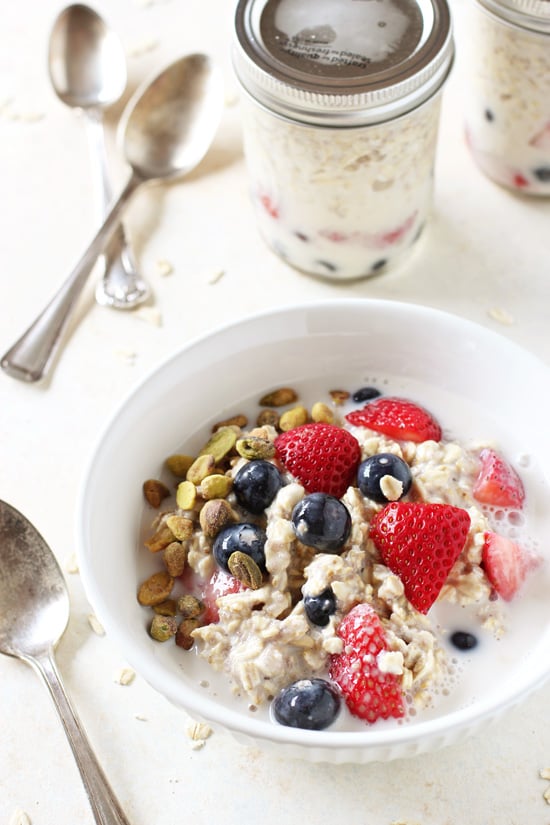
(85, 59)
(166, 131)
(34, 603)
(34, 611)
(162, 139)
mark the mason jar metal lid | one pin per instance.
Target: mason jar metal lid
(342, 62)
(529, 14)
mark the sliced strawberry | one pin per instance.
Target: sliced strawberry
(399, 418)
(506, 564)
(322, 457)
(497, 482)
(369, 692)
(420, 542)
(271, 209)
(542, 138)
(221, 584)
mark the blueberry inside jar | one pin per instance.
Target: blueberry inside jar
(340, 122)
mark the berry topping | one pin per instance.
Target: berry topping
(322, 457)
(378, 474)
(420, 542)
(463, 640)
(256, 485)
(322, 522)
(497, 482)
(506, 564)
(365, 394)
(542, 138)
(311, 704)
(245, 538)
(220, 584)
(320, 608)
(399, 418)
(370, 692)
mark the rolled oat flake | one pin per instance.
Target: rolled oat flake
(341, 110)
(507, 72)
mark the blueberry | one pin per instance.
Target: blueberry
(256, 485)
(380, 264)
(322, 521)
(542, 174)
(328, 265)
(320, 608)
(463, 640)
(489, 115)
(310, 704)
(373, 469)
(248, 538)
(365, 394)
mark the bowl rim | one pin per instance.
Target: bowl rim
(420, 733)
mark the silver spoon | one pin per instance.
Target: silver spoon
(88, 73)
(166, 130)
(34, 611)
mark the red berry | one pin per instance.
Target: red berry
(420, 542)
(221, 584)
(368, 692)
(506, 564)
(520, 181)
(399, 418)
(497, 482)
(322, 457)
(269, 206)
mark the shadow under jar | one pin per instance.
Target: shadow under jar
(341, 103)
(507, 66)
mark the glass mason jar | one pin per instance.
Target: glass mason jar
(507, 102)
(340, 120)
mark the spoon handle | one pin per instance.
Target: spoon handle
(103, 801)
(120, 286)
(30, 358)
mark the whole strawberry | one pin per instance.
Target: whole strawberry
(397, 417)
(497, 482)
(369, 692)
(322, 457)
(420, 542)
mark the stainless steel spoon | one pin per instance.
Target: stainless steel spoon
(88, 73)
(34, 611)
(166, 130)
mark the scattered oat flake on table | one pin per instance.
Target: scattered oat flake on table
(127, 355)
(96, 625)
(198, 733)
(216, 276)
(149, 314)
(19, 817)
(71, 564)
(125, 676)
(141, 718)
(500, 315)
(164, 267)
(142, 47)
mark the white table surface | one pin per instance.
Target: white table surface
(485, 257)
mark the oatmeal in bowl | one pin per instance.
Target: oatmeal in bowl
(348, 561)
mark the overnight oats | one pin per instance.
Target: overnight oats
(507, 64)
(341, 105)
(338, 559)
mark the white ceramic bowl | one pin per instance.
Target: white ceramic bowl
(470, 377)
